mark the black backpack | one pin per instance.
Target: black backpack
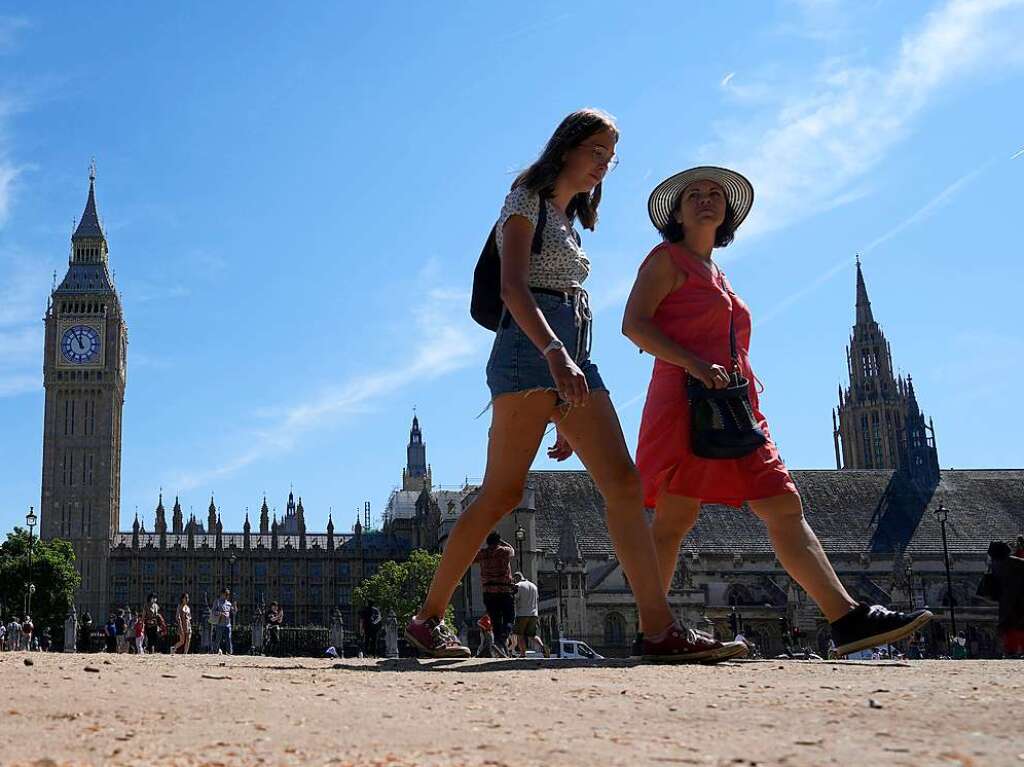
(486, 306)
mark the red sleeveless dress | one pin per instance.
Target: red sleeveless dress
(696, 316)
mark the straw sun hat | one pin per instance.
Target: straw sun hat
(739, 192)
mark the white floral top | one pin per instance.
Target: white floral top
(562, 264)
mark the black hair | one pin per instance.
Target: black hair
(571, 132)
(673, 230)
(493, 539)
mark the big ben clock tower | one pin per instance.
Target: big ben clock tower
(84, 378)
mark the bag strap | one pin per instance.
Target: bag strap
(732, 328)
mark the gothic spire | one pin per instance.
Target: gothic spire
(864, 315)
(161, 521)
(89, 225)
(264, 517)
(176, 520)
(569, 543)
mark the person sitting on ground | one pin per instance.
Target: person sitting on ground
(486, 648)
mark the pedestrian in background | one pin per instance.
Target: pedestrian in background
(527, 603)
(495, 560)
(183, 619)
(223, 612)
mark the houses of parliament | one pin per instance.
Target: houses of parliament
(84, 376)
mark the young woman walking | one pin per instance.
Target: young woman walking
(540, 371)
(683, 311)
(183, 618)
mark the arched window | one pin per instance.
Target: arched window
(614, 629)
(739, 594)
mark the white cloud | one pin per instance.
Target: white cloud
(446, 342)
(805, 156)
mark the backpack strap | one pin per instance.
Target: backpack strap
(538, 230)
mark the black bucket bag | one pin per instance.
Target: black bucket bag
(722, 423)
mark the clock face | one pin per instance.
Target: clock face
(80, 344)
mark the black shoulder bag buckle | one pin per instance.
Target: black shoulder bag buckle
(722, 423)
(485, 305)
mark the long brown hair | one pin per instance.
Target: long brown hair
(541, 176)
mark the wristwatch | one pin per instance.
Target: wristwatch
(554, 346)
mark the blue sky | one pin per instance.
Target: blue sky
(295, 197)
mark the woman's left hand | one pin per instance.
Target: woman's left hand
(561, 449)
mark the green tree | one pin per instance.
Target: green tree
(53, 573)
(401, 586)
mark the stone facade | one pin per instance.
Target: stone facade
(878, 529)
(309, 574)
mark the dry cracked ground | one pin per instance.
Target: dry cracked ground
(212, 710)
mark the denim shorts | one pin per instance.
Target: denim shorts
(516, 365)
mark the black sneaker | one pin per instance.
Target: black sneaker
(872, 626)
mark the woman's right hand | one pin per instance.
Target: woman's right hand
(569, 379)
(712, 376)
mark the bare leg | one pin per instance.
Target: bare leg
(596, 436)
(517, 428)
(800, 552)
(674, 517)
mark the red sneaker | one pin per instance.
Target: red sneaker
(432, 637)
(678, 645)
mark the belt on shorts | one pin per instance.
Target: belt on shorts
(580, 301)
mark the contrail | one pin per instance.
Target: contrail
(1018, 153)
(937, 201)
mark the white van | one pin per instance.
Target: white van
(569, 648)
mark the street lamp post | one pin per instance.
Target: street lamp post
(520, 540)
(30, 520)
(559, 569)
(942, 514)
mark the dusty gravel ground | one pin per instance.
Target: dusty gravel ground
(212, 710)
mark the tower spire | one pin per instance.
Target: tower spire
(864, 314)
(89, 227)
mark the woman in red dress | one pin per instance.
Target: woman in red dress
(679, 311)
